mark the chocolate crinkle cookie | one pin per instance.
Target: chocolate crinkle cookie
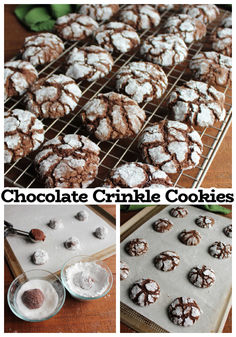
(184, 311)
(112, 116)
(167, 261)
(140, 17)
(75, 27)
(124, 270)
(99, 12)
(179, 212)
(53, 97)
(137, 175)
(188, 28)
(212, 68)
(142, 81)
(220, 250)
(197, 103)
(136, 247)
(167, 7)
(222, 41)
(170, 146)
(162, 225)
(202, 277)
(88, 63)
(18, 77)
(23, 133)
(42, 48)
(205, 13)
(164, 49)
(227, 22)
(117, 36)
(205, 221)
(190, 238)
(228, 231)
(144, 292)
(69, 161)
(33, 298)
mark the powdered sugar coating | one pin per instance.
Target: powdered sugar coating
(228, 231)
(179, 212)
(164, 49)
(56, 224)
(141, 81)
(202, 277)
(162, 225)
(101, 232)
(53, 97)
(205, 221)
(68, 161)
(140, 16)
(139, 175)
(72, 243)
(220, 250)
(227, 22)
(205, 13)
(198, 103)
(186, 27)
(117, 36)
(222, 41)
(124, 270)
(18, 76)
(42, 48)
(167, 7)
(89, 62)
(170, 146)
(40, 256)
(23, 133)
(190, 238)
(99, 12)
(144, 292)
(112, 116)
(136, 247)
(82, 215)
(75, 27)
(184, 311)
(212, 67)
(167, 261)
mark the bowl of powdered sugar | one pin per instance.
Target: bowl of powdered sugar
(36, 295)
(86, 278)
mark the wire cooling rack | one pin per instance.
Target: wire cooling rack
(114, 153)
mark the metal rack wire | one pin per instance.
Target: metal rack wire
(21, 173)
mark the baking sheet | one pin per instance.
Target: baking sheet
(213, 301)
(32, 216)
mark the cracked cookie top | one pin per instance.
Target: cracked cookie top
(144, 292)
(205, 13)
(99, 12)
(167, 261)
(184, 311)
(222, 41)
(220, 250)
(202, 277)
(136, 247)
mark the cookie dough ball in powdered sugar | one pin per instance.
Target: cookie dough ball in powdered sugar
(141, 81)
(228, 231)
(205, 13)
(53, 97)
(82, 215)
(167, 261)
(184, 311)
(212, 67)
(99, 12)
(198, 103)
(202, 277)
(88, 63)
(144, 292)
(222, 41)
(162, 225)
(117, 36)
(112, 116)
(69, 161)
(137, 175)
(18, 76)
(179, 212)
(205, 221)
(186, 27)
(72, 243)
(42, 48)
(140, 16)
(23, 133)
(124, 270)
(170, 146)
(56, 224)
(164, 49)
(190, 238)
(136, 247)
(101, 232)
(220, 250)
(40, 256)
(75, 27)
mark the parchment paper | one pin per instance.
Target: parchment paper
(174, 284)
(37, 216)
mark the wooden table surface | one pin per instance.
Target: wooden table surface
(75, 316)
(220, 172)
(125, 216)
